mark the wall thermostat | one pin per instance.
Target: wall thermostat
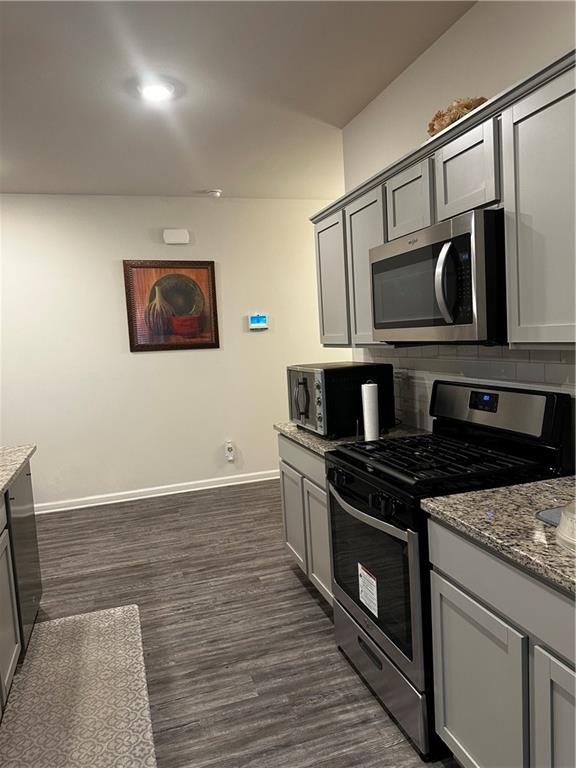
(176, 236)
(258, 322)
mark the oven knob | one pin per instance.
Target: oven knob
(318, 401)
(318, 385)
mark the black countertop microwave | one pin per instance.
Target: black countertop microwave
(445, 283)
(326, 398)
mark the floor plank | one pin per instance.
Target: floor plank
(241, 663)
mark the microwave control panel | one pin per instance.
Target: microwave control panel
(318, 401)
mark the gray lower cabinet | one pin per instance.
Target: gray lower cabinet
(318, 538)
(364, 230)
(467, 171)
(539, 202)
(305, 513)
(9, 633)
(332, 281)
(409, 200)
(480, 681)
(293, 513)
(554, 712)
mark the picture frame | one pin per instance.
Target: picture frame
(171, 305)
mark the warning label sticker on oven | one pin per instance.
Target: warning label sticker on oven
(368, 589)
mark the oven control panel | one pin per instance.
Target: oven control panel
(484, 401)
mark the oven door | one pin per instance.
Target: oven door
(302, 399)
(430, 286)
(376, 577)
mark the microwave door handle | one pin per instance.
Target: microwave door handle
(295, 401)
(439, 282)
(306, 399)
(299, 410)
(368, 519)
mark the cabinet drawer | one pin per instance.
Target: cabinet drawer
(542, 611)
(309, 464)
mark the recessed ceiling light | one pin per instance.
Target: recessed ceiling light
(156, 91)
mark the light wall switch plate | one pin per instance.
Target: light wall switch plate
(176, 236)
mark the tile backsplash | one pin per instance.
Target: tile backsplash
(417, 367)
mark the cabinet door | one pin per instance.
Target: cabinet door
(9, 632)
(318, 539)
(332, 281)
(293, 512)
(480, 681)
(364, 230)
(554, 712)
(467, 171)
(538, 162)
(22, 526)
(409, 200)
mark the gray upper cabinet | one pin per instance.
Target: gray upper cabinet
(480, 681)
(539, 202)
(293, 512)
(364, 230)
(409, 200)
(467, 171)
(9, 633)
(554, 712)
(332, 281)
(318, 539)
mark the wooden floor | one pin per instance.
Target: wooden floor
(241, 663)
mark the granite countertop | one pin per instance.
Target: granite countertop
(320, 445)
(12, 460)
(503, 520)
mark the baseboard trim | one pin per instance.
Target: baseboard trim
(149, 493)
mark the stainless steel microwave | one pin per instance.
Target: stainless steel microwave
(326, 398)
(445, 283)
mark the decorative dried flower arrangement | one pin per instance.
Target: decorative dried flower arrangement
(459, 107)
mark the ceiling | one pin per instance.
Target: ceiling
(268, 86)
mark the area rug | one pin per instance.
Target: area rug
(80, 699)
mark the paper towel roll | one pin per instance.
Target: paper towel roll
(370, 411)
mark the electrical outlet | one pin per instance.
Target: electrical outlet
(229, 451)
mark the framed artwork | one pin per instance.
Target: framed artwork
(171, 305)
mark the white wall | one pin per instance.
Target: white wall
(107, 420)
(492, 46)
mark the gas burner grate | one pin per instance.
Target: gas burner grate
(432, 457)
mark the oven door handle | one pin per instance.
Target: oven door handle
(397, 533)
(439, 283)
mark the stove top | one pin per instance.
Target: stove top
(434, 459)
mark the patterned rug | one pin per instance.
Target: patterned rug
(80, 699)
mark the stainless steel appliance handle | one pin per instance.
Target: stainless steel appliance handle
(295, 392)
(300, 412)
(439, 282)
(397, 533)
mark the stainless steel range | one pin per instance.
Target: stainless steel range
(482, 437)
